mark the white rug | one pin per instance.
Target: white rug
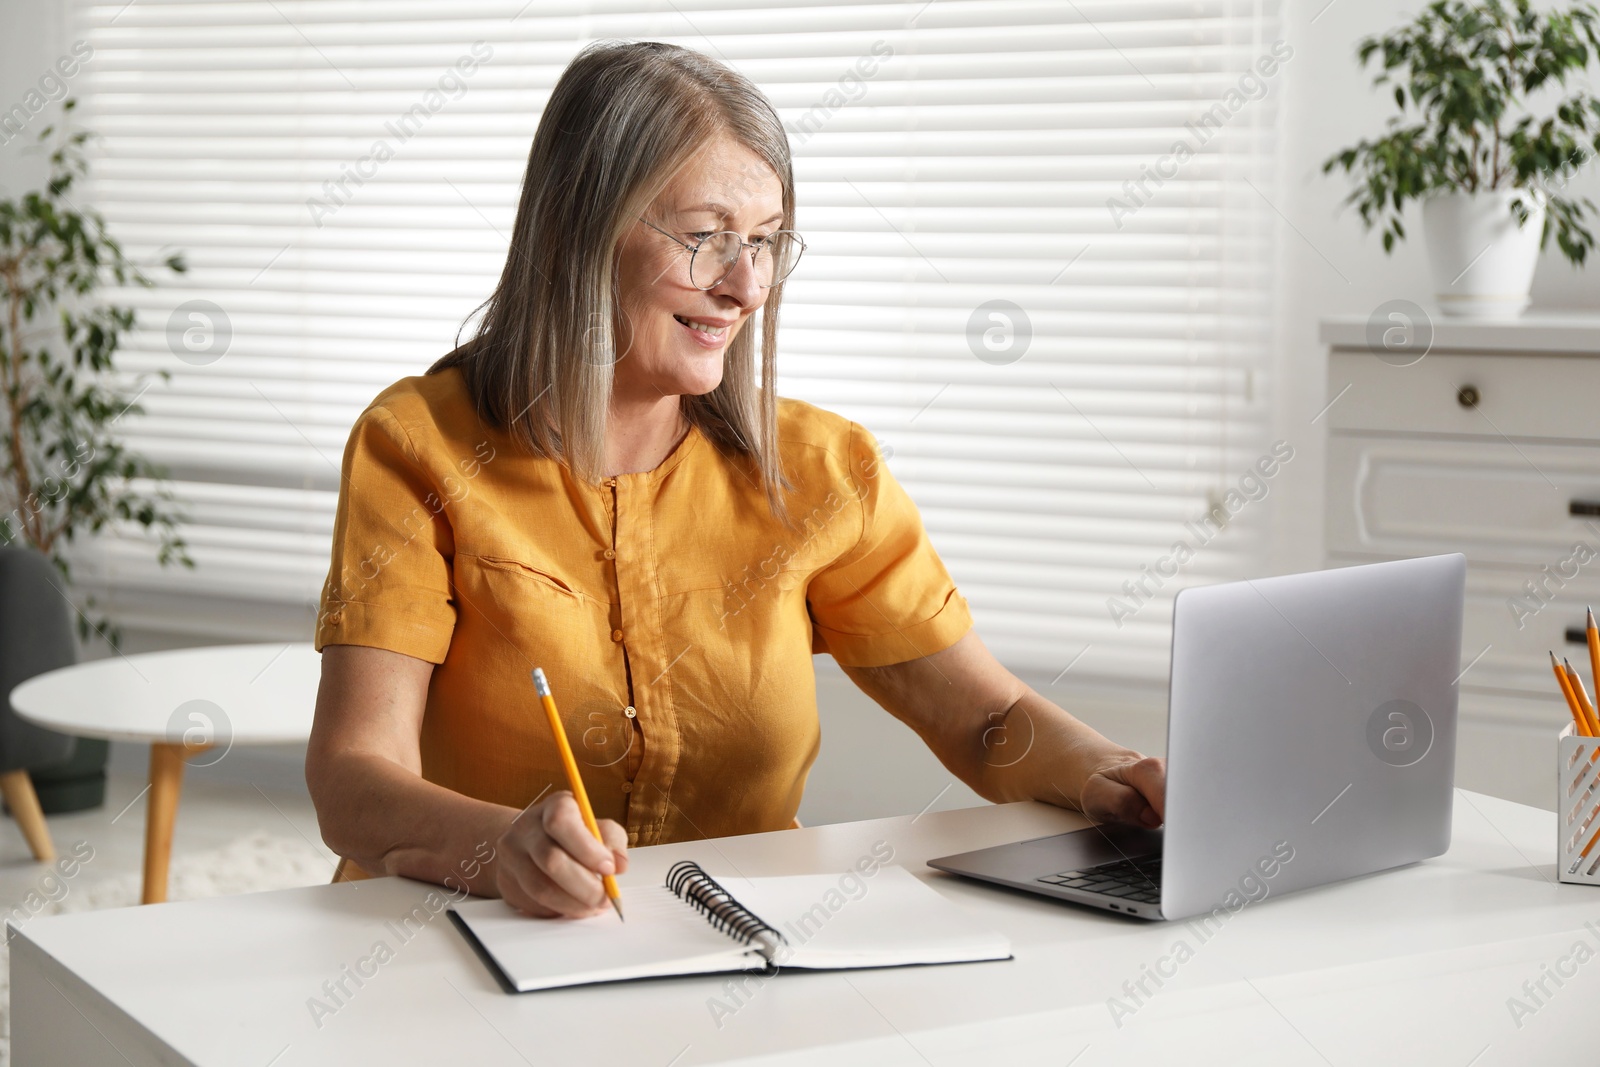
(250, 865)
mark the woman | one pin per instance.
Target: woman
(600, 484)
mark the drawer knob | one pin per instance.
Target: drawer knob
(1583, 509)
(1467, 396)
(1577, 635)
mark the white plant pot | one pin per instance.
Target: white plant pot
(1482, 260)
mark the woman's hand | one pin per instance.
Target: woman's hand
(548, 864)
(1126, 788)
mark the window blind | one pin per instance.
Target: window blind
(1052, 317)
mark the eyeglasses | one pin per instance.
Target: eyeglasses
(773, 257)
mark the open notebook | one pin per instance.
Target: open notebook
(695, 924)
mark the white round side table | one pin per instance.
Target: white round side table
(188, 704)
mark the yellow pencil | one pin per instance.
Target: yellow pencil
(1565, 683)
(575, 780)
(1583, 700)
(1585, 853)
(1594, 653)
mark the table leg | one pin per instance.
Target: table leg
(24, 802)
(161, 812)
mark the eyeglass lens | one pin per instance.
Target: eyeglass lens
(715, 256)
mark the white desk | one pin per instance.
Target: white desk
(1413, 966)
(192, 703)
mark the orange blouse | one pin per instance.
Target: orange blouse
(674, 616)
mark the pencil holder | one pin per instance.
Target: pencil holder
(1578, 807)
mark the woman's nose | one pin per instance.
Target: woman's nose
(742, 283)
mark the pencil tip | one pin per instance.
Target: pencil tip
(618, 905)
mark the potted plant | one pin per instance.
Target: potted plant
(63, 471)
(1490, 173)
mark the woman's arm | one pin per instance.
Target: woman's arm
(1009, 743)
(364, 770)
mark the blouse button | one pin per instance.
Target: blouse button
(616, 635)
(333, 618)
(627, 787)
(629, 711)
(610, 553)
(611, 483)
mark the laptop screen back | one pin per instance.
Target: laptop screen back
(1312, 730)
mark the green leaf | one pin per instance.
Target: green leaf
(61, 388)
(1466, 70)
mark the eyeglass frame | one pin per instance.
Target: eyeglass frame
(743, 244)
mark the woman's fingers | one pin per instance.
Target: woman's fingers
(527, 888)
(564, 823)
(1132, 791)
(569, 854)
(562, 860)
(1149, 777)
(551, 864)
(617, 841)
(1105, 800)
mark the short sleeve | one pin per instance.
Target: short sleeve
(389, 577)
(888, 599)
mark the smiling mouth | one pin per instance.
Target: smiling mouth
(705, 328)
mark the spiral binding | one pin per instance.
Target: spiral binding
(699, 890)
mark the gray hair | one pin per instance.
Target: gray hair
(620, 122)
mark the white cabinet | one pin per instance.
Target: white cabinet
(1489, 445)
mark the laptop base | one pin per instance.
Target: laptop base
(1043, 866)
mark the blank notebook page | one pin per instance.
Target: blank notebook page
(895, 920)
(663, 936)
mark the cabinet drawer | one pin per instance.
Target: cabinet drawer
(1518, 396)
(1519, 630)
(1491, 500)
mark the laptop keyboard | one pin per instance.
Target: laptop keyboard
(1134, 880)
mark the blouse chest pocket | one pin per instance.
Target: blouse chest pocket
(525, 571)
(533, 605)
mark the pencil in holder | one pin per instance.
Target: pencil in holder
(1578, 808)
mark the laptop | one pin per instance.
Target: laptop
(1311, 737)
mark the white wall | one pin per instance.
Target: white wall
(32, 35)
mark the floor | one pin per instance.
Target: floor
(213, 814)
